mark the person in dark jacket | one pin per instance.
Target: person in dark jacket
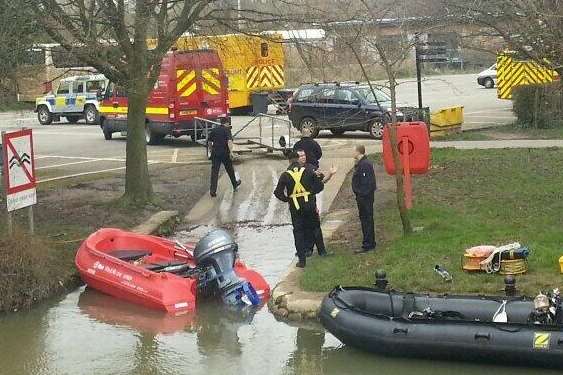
(315, 237)
(298, 187)
(364, 186)
(310, 146)
(220, 141)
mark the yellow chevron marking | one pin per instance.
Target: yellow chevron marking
(184, 81)
(209, 89)
(213, 79)
(190, 90)
(252, 77)
(512, 73)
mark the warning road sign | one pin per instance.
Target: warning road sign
(19, 169)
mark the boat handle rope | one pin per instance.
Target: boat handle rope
(345, 306)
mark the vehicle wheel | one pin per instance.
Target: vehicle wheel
(489, 83)
(337, 131)
(311, 124)
(376, 129)
(72, 119)
(152, 138)
(91, 115)
(107, 134)
(44, 116)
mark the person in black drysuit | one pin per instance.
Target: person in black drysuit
(364, 186)
(298, 186)
(311, 147)
(315, 237)
(220, 140)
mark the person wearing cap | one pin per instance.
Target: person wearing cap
(364, 186)
(310, 146)
(298, 187)
(221, 144)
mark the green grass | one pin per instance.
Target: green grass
(16, 106)
(512, 131)
(469, 198)
(550, 133)
(471, 135)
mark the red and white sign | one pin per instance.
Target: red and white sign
(19, 169)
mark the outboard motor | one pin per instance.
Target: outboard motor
(216, 254)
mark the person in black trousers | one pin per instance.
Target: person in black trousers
(298, 186)
(364, 186)
(310, 146)
(315, 237)
(220, 140)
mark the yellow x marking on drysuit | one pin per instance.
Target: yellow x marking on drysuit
(298, 189)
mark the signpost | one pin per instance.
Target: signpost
(19, 173)
(426, 52)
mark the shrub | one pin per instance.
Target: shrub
(539, 106)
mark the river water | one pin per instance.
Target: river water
(88, 333)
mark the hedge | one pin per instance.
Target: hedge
(539, 106)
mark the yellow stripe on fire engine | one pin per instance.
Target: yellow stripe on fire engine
(123, 110)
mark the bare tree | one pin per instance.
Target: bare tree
(111, 36)
(363, 37)
(17, 31)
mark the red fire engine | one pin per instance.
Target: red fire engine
(191, 84)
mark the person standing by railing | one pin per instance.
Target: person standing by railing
(221, 144)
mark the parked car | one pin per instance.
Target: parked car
(488, 77)
(75, 98)
(190, 84)
(340, 107)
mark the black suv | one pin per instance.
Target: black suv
(340, 107)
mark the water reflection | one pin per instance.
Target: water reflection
(307, 356)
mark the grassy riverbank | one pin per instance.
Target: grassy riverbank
(469, 198)
(511, 131)
(33, 268)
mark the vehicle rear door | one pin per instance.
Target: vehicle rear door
(349, 111)
(187, 98)
(213, 91)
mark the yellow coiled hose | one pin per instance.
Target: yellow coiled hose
(513, 267)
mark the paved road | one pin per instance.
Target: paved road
(67, 150)
(482, 108)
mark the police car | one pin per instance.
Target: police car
(75, 98)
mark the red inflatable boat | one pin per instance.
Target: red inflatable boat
(161, 274)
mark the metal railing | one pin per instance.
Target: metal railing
(273, 120)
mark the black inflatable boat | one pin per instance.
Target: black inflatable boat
(447, 327)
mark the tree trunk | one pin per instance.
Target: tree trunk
(403, 211)
(138, 188)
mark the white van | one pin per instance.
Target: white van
(488, 77)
